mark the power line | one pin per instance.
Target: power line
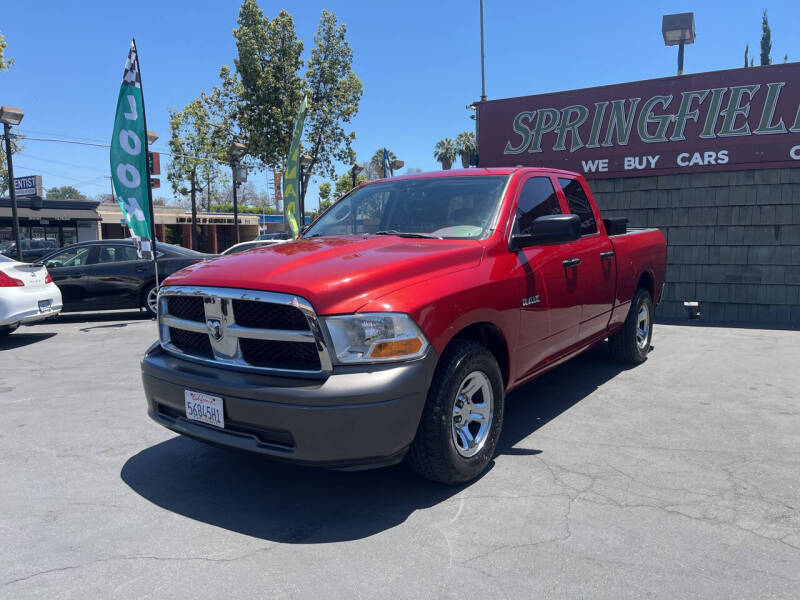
(100, 145)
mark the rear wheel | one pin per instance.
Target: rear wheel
(462, 418)
(631, 343)
(8, 329)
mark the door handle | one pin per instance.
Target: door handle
(607, 255)
(76, 275)
(571, 262)
(140, 269)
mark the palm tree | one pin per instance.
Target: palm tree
(374, 169)
(465, 146)
(445, 153)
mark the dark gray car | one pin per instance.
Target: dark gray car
(107, 274)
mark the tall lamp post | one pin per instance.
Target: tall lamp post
(305, 163)
(237, 151)
(678, 30)
(12, 116)
(354, 171)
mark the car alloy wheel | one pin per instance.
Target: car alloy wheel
(472, 414)
(152, 300)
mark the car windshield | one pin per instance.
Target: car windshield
(5, 259)
(438, 207)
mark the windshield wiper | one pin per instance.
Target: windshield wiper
(407, 234)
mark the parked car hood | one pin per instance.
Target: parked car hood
(336, 274)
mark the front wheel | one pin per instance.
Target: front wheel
(462, 418)
(151, 299)
(631, 343)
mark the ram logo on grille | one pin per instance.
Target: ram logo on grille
(215, 328)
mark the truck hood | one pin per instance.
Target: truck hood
(336, 274)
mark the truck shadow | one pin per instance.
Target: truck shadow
(284, 503)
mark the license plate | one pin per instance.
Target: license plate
(45, 305)
(204, 408)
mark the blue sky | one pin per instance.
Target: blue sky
(418, 61)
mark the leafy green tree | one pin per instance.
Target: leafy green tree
(324, 191)
(766, 40)
(5, 63)
(445, 153)
(65, 192)
(196, 153)
(334, 92)
(268, 64)
(345, 183)
(16, 148)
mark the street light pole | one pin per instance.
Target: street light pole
(483, 76)
(678, 30)
(237, 151)
(12, 116)
(235, 209)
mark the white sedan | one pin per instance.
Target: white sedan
(27, 294)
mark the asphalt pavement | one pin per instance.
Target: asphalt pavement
(679, 478)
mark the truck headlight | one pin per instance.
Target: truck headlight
(375, 337)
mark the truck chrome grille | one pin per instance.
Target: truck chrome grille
(263, 315)
(187, 307)
(243, 329)
(281, 355)
(190, 342)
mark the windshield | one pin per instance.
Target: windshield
(441, 207)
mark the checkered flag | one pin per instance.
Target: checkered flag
(131, 76)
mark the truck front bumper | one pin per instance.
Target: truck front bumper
(359, 417)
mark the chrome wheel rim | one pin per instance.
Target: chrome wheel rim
(472, 414)
(643, 327)
(152, 300)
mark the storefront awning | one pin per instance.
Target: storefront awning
(51, 215)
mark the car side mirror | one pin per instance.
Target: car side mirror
(549, 229)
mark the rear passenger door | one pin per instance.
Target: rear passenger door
(549, 301)
(595, 274)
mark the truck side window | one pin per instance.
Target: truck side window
(579, 204)
(537, 198)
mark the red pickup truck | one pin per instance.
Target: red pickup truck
(396, 325)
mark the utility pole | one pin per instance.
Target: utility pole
(483, 74)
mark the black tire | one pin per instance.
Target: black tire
(433, 452)
(8, 329)
(147, 291)
(625, 346)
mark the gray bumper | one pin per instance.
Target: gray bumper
(356, 418)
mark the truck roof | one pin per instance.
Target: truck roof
(477, 172)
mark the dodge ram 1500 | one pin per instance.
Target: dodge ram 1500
(394, 327)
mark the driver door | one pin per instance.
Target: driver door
(550, 304)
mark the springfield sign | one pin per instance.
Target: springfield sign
(722, 120)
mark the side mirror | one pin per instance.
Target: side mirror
(549, 229)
